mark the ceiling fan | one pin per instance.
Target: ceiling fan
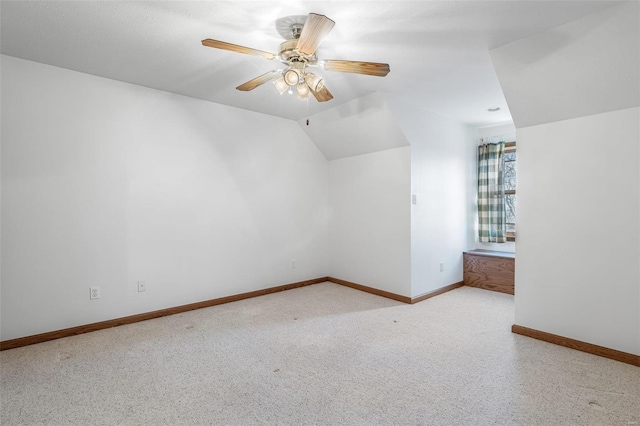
(298, 53)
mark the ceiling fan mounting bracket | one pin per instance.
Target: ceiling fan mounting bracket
(290, 27)
(296, 30)
(288, 54)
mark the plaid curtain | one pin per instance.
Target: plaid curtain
(491, 210)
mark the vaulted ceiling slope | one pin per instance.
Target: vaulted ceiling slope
(437, 50)
(587, 66)
(360, 126)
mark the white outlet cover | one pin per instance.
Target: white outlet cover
(94, 293)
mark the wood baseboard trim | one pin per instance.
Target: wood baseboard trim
(394, 296)
(73, 331)
(371, 290)
(436, 292)
(578, 345)
(87, 328)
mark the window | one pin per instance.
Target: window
(496, 192)
(509, 179)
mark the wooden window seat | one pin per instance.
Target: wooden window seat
(490, 270)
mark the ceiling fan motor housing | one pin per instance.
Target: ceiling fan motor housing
(290, 54)
(296, 62)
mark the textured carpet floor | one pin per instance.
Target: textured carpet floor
(323, 354)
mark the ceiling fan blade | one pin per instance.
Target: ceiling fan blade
(322, 95)
(315, 28)
(236, 48)
(252, 84)
(367, 68)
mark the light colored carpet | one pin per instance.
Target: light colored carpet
(323, 354)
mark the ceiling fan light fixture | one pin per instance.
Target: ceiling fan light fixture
(291, 77)
(315, 83)
(281, 85)
(302, 34)
(303, 91)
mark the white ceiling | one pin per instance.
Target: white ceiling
(438, 51)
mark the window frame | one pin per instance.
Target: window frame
(510, 147)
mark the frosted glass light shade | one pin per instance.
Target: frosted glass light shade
(303, 90)
(314, 82)
(281, 85)
(291, 77)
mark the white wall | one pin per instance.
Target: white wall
(369, 225)
(443, 180)
(577, 269)
(106, 183)
(491, 134)
(574, 93)
(496, 133)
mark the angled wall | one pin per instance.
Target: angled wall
(361, 126)
(443, 181)
(573, 92)
(587, 66)
(106, 183)
(377, 237)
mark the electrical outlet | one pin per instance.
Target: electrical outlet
(142, 286)
(94, 293)
(293, 263)
(441, 266)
